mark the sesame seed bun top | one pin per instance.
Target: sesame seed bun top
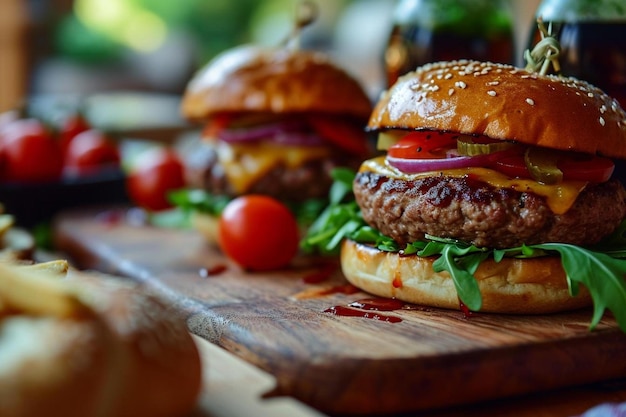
(505, 102)
(251, 78)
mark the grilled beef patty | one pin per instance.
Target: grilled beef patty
(477, 213)
(310, 180)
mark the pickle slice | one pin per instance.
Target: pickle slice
(467, 146)
(541, 164)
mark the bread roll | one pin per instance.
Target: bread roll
(91, 345)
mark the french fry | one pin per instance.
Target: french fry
(34, 291)
(57, 268)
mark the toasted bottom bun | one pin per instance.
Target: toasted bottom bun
(94, 346)
(207, 225)
(517, 286)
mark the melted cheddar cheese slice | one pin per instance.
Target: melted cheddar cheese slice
(559, 197)
(245, 164)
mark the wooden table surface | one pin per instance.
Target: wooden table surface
(234, 388)
(433, 361)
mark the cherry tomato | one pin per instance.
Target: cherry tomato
(344, 133)
(424, 144)
(155, 172)
(30, 153)
(258, 232)
(72, 127)
(90, 151)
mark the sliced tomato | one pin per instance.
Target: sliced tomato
(423, 144)
(346, 134)
(575, 167)
(514, 166)
(582, 167)
(216, 125)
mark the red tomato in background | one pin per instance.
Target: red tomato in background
(155, 172)
(29, 152)
(72, 127)
(258, 232)
(90, 151)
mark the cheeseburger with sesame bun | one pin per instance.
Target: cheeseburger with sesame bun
(495, 193)
(277, 121)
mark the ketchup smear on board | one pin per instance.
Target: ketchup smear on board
(368, 308)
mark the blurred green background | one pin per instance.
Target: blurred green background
(156, 45)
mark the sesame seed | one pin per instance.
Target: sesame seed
(491, 93)
(530, 101)
(602, 122)
(590, 95)
(493, 83)
(602, 109)
(447, 76)
(451, 91)
(434, 88)
(460, 84)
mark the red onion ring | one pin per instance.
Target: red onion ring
(453, 161)
(286, 133)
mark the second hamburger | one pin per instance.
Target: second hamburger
(277, 121)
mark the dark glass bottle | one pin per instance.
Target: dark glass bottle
(440, 30)
(592, 35)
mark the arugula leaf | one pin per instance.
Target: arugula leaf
(198, 200)
(602, 274)
(341, 219)
(464, 281)
(601, 269)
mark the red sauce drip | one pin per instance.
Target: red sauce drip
(466, 311)
(214, 270)
(380, 304)
(353, 312)
(397, 282)
(321, 275)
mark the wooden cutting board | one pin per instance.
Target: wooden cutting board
(413, 359)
